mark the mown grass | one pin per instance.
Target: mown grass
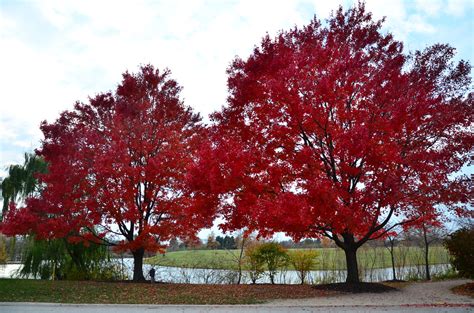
(22, 290)
(327, 259)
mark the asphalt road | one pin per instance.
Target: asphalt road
(113, 308)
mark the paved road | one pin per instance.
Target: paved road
(100, 308)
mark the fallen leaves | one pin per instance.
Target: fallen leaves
(125, 292)
(465, 290)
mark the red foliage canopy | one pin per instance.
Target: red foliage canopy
(332, 130)
(117, 169)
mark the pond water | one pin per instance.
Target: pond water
(9, 270)
(217, 276)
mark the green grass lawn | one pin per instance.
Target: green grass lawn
(327, 259)
(23, 290)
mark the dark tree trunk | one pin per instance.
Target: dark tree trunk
(427, 266)
(272, 279)
(393, 265)
(303, 276)
(351, 262)
(240, 259)
(138, 265)
(427, 247)
(350, 246)
(253, 278)
(392, 255)
(239, 278)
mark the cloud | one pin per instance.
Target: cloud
(460, 8)
(56, 52)
(429, 7)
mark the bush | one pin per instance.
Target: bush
(271, 255)
(253, 263)
(3, 250)
(461, 247)
(303, 261)
(449, 274)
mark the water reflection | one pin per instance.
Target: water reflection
(218, 276)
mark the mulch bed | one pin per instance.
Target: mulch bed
(465, 290)
(356, 287)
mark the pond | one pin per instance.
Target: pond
(219, 276)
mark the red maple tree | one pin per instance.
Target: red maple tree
(117, 168)
(331, 130)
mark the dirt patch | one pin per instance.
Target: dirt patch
(356, 287)
(398, 284)
(465, 290)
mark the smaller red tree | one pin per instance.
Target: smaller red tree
(117, 168)
(427, 228)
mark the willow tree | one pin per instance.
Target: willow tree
(21, 180)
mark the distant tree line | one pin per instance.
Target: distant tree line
(303, 244)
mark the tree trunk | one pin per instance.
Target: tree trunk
(240, 259)
(303, 276)
(239, 277)
(351, 263)
(272, 278)
(392, 255)
(393, 266)
(427, 247)
(138, 265)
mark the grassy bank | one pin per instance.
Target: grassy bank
(21, 290)
(327, 259)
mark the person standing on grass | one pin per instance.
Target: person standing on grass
(152, 275)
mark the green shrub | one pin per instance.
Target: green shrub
(461, 247)
(3, 250)
(253, 263)
(449, 274)
(270, 255)
(303, 261)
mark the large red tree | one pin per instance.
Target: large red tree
(331, 130)
(116, 170)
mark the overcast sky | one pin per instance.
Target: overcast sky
(53, 53)
(56, 52)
